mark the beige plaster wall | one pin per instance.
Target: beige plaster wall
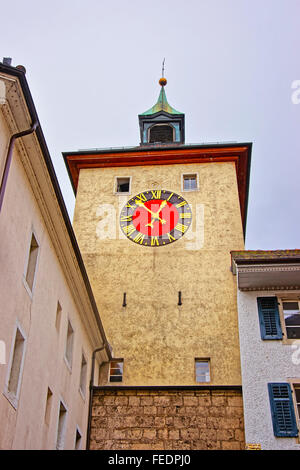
(23, 425)
(158, 339)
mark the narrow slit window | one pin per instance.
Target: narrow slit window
(69, 344)
(61, 428)
(123, 185)
(83, 374)
(190, 182)
(32, 262)
(48, 406)
(16, 365)
(78, 440)
(116, 371)
(202, 370)
(58, 316)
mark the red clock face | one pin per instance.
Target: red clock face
(155, 218)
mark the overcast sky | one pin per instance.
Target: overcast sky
(93, 66)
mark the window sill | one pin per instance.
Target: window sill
(190, 190)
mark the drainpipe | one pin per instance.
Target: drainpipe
(91, 396)
(8, 159)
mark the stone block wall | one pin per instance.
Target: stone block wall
(167, 419)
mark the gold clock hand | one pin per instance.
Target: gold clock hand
(163, 204)
(154, 214)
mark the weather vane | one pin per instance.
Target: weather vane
(163, 68)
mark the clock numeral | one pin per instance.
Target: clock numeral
(139, 238)
(156, 194)
(129, 205)
(141, 197)
(126, 218)
(171, 238)
(183, 203)
(154, 241)
(129, 229)
(170, 196)
(181, 228)
(185, 215)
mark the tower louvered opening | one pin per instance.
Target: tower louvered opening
(161, 133)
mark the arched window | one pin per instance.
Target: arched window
(161, 133)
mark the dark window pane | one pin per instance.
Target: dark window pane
(123, 185)
(297, 391)
(190, 182)
(293, 332)
(292, 320)
(115, 378)
(161, 134)
(290, 306)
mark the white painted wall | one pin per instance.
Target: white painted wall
(262, 361)
(23, 423)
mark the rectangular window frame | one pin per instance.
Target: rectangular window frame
(30, 290)
(183, 175)
(288, 298)
(125, 193)
(110, 375)
(60, 440)
(204, 360)
(13, 397)
(83, 379)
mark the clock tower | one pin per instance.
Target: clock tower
(155, 225)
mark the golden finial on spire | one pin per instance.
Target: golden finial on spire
(163, 80)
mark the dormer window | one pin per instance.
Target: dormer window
(161, 133)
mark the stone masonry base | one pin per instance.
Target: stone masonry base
(167, 419)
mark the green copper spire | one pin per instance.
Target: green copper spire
(162, 102)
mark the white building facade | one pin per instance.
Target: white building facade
(269, 329)
(50, 325)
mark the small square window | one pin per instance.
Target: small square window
(202, 370)
(190, 182)
(116, 371)
(123, 185)
(291, 314)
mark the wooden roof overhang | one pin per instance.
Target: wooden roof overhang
(267, 269)
(239, 154)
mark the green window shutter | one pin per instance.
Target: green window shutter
(282, 409)
(269, 319)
